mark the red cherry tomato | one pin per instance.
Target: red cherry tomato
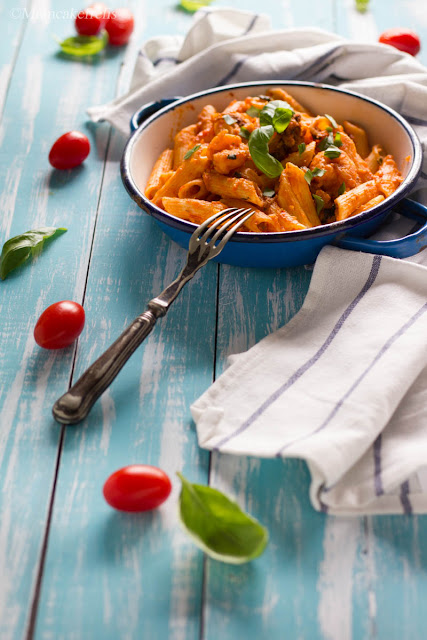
(120, 27)
(402, 39)
(138, 487)
(70, 150)
(59, 325)
(91, 21)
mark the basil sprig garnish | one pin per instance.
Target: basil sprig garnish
(274, 116)
(330, 144)
(84, 45)
(253, 112)
(191, 151)
(332, 121)
(269, 193)
(19, 248)
(244, 133)
(218, 526)
(228, 119)
(319, 203)
(278, 113)
(301, 148)
(341, 190)
(310, 174)
(258, 148)
(332, 152)
(337, 140)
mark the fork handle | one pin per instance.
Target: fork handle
(75, 405)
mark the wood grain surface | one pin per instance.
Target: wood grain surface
(70, 567)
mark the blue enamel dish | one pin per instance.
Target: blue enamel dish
(154, 125)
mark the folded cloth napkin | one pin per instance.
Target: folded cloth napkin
(343, 385)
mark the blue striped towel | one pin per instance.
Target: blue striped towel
(343, 386)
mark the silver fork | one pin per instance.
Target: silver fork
(207, 241)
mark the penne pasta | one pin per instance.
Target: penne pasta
(359, 137)
(189, 170)
(349, 202)
(294, 169)
(227, 187)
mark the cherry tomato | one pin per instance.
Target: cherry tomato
(92, 20)
(138, 487)
(120, 27)
(70, 150)
(402, 39)
(59, 325)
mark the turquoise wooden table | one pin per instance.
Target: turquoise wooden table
(70, 567)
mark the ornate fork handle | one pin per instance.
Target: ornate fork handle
(206, 242)
(76, 403)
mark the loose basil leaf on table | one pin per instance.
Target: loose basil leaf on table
(218, 526)
(84, 45)
(193, 5)
(19, 248)
(362, 5)
(258, 148)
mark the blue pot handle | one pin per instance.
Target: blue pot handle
(148, 110)
(400, 248)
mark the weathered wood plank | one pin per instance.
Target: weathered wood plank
(394, 573)
(132, 576)
(14, 19)
(47, 96)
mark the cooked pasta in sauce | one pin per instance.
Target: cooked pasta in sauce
(296, 170)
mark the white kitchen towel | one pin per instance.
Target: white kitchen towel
(226, 46)
(343, 386)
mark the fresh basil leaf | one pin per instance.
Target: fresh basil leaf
(332, 152)
(281, 119)
(326, 142)
(269, 193)
(84, 45)
(228, 119)
(319, 203)
(19, 248)
(218, 526)
(362, 5)
(301, 148)
(338, 140)
(268, 113)
(310, 174)
(253, 112)
(341, 190)
(244, 133)
(193, 5)
(258, 148)
(191, 151)
(332, 121)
